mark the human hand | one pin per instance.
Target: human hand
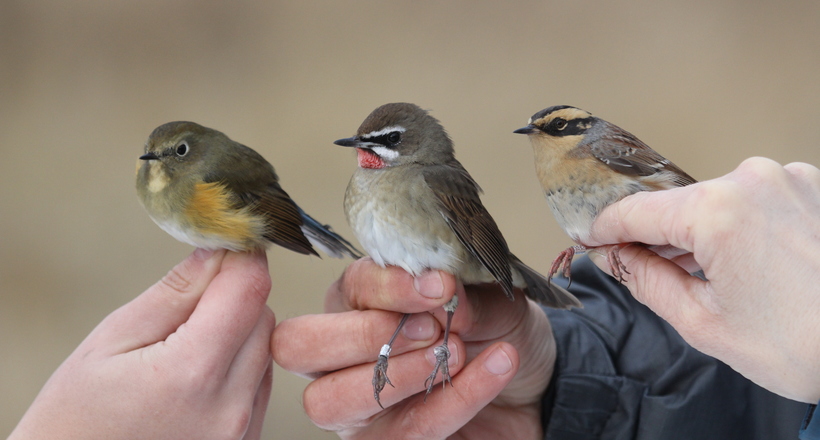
(756, 234)
(188, 358)
(496, 393)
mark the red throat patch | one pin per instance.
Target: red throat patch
(369, 159)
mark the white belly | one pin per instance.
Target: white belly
(392, 241)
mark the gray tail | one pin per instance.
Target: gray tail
(323, 237)
(541, 289)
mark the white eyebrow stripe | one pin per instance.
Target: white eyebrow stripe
(370, 145)
(385, 153)
(384, 131)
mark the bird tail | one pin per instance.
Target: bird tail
(541, 289)
(323, 237)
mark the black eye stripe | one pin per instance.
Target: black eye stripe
(574, 127)
(384, 139)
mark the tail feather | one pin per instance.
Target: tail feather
(323, 237)
(541, 289)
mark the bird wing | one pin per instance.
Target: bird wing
(255, 184)
(461, 207)
(626, 154)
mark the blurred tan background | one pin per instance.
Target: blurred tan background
(82, 84)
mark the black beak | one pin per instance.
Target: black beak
(149, 156)
(348, 142)
(530, 129)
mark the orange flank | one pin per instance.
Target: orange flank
(212, 212)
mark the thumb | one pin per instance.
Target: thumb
(660, 284)
(162, 308)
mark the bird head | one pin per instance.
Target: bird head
(397, 134)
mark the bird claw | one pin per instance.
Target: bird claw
(564, 262)
(380, 378)
(442, 357)
(615, 265)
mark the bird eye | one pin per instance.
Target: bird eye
(182, 149)
(394, 137)
(560, 123)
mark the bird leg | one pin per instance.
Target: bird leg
(442, 352)
(380, 370)
(564, 261)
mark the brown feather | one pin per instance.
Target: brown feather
(257, 187)
(626, 154)
(284, 220)
(461, 207)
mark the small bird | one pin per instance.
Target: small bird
(211, 192)
(412, 204)
(586, 164)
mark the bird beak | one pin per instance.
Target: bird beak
(530, 129)
(149, 156)
(348, 142)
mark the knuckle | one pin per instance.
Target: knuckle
(197, 376)
(283, 347)
(416, 424)
(269, 317)
(290, 341)
(352, 285)
(257, 283)
(714, 209)
(760, 169)
(177, 281)
(235, 421)
(313, 401)
(367, 336)
(804, 172)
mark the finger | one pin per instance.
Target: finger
(366, 285)
(318, 343)
(228, 311)
(680, 257)
(485, 313)
(645, 217)
(687, 262)
(161, 309)
(344, 399)
(806, 176)
(660, 284)
(447, 411)
(260, 405)
(253, 357)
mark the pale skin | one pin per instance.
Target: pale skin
(495, 392)
(188, 358)
(756, 234)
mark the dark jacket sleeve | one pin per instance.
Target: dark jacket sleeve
(810, 430)
(624, 373)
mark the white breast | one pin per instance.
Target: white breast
(396, 228)
(190, 236)
(390, 240)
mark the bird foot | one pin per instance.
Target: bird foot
(442, 357)
(380, 378)
(616, 267)
(564, 261)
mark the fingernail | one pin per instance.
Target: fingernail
(431, 355)
(429, 284)
(203, 254)
(498, 362)
(419, 327)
